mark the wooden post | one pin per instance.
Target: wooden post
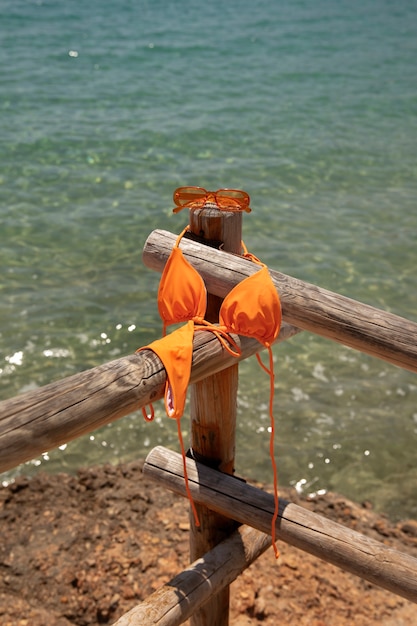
(213, 404)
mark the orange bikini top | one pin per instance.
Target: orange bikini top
(252, 308)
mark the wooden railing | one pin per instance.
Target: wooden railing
(308, 307)
(45, 418)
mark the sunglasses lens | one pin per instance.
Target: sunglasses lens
(187, 195)
(196, 197)
(230, 198)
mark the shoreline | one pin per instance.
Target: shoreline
(84, 549)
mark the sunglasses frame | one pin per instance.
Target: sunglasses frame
(240, 204)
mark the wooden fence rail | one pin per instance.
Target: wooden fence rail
(50, 416)
(182, 596)
(304, 529)
(306, 306)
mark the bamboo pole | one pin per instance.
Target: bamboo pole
(213, 405)
(50, 416)
(332, 542)
(360, 326)
(178, 599)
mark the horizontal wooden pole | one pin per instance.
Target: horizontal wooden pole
(306, 306)
(178, 599)
(50, 416)
(304, 529)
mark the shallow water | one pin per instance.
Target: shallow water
(107, 107)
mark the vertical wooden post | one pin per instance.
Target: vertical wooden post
(213, 417)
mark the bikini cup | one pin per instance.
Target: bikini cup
(182, 294)
(252, 308)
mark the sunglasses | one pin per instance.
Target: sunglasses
(197, 197)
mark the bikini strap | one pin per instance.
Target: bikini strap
(250, 256)
(270, 371)
(228, 343)
(180, 236)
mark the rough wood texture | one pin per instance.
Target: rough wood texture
(213, 409)
(308, 531)
(323, 312)
(50, 416)
(178, 599)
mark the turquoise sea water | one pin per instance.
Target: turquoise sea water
(311, 107)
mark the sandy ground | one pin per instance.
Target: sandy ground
(81, 550)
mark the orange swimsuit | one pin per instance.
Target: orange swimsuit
(252, 308)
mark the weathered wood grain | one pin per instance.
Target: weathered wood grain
(50, 416)
(313, 533)
(213, 411)
(182, 596)
(360, 326)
